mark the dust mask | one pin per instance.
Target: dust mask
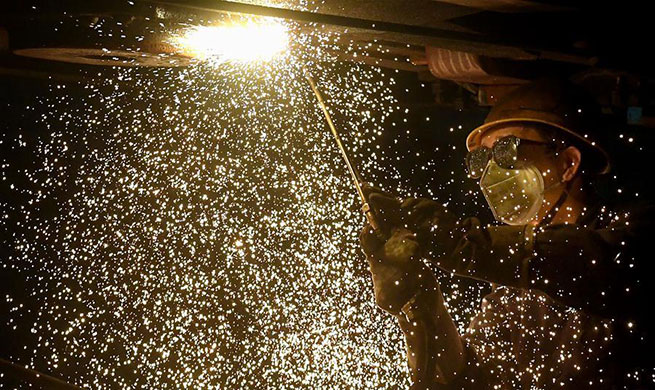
(514, 195)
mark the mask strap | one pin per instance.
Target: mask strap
(562, 198)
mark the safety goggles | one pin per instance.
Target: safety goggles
(506, 152)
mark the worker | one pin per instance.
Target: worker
(568, 274)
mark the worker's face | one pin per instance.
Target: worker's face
(555, 167)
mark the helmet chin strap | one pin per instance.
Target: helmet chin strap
(552, 212)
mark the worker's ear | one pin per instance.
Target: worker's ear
(569, 162)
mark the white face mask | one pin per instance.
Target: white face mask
(514, 195)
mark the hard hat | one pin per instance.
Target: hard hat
(553, 103)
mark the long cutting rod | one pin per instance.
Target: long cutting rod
(366, 207)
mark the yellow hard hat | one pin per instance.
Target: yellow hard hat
(553, 103)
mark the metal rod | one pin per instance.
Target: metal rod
(14, 371)
(354, 173)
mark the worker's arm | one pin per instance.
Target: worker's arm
(591, 269)
(438, 357)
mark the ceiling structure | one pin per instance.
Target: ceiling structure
(482, 47)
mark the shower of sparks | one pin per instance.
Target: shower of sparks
(245, 40)
(196, 228)
(211, 238)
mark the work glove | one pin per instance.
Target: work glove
(433, 225)
(411, 229)
(386, 207)
(392, 252)
(395, 267)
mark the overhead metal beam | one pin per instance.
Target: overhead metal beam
(413, 34)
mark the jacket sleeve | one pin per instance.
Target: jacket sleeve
(434, 345)
(596, 270)
(476, 374)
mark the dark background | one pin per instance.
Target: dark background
(421, 157)
(430, 164)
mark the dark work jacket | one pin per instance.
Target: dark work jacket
(570, 306)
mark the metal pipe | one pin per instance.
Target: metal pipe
(354, 173)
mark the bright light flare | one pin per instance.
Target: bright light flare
(246, 41)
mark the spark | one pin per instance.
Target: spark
(196, 228)
(244, 40)
(206, 229)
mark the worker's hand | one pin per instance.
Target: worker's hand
(437, 230)
(423, 215)
(395, 266)
(385, 206)
(419, 215)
